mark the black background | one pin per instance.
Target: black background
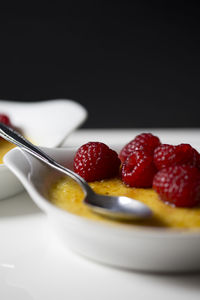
(130, 65)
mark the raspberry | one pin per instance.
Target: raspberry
(5, 119)
(168, 155)
(96, 161)
(178, 185)
(145, 141)
(138, 170)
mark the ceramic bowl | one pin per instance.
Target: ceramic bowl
(131, 247)
(45, 123)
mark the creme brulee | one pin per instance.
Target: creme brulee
(4, 148)
(67, 195)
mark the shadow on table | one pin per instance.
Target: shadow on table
(188, 281)
(184, 281)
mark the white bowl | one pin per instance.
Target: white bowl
(131, 247)
(46, 123)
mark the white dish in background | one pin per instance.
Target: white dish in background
(131, 247)
(45, 123)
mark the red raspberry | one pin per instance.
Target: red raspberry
(138, 170)
(145, 141)
(5, 119)
(96, 161)
(178, 185)
(168, 155)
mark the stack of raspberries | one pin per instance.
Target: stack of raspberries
(172, 171)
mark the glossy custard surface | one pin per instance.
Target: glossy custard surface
(67, 195)
(4, 148)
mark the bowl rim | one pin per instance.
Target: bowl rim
(117, 228)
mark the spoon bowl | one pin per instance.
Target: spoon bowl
(118, 207)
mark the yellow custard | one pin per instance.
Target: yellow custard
(67, 195)
(4, 148)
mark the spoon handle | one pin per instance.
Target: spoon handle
(16, 138)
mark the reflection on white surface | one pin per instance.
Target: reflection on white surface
(5, 265)
(8, 289)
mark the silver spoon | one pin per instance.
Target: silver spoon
(117, 207)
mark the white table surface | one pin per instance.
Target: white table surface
(34, 264)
